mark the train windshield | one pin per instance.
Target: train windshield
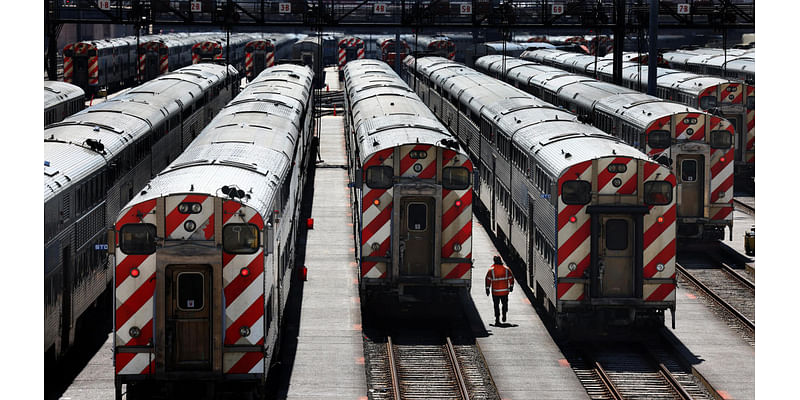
(657, 193)
(379, 177)
(751, 102)
(707, 102)
(658, 139)
(455, 178)
(576, 192)
(721, 140)
(240, 238)
(137, 239)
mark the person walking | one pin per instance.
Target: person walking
(501, 282)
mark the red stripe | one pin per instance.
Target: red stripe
(630, 186)
(366, 266)
(208, 231)
(719, 166)
(723, 187)
(581, 266)
(150, 368)
(380, 220)
(568, 211)
(176, 218)
(370, 197)
(124, 267)
(144, 337)
(246, 363)
(382, 249)
(257, 221)
(562, 289)
(229, 209)
(136, 301)
(666, 254)
(699, 134)
(566, 249)
(248, 318)
(453, 212)
(447, 156)
(429, 171)
(661, 293)
(605, 176)
(657, 229)
(722, 213)
(238, 285)
(378, 158)
(130, 217)
(573, 173)
(463, 234)
(123, 359)
(460, 270)
(407, 161)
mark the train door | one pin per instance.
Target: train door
(494, 194)
(80, 71)
(259, 61)
(691, 183)
(616, 255)
(417, 236)
(188, 322)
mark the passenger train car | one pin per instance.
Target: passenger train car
(164, 53)
(349, 48)
(264, 49)
(733, 100)
(204, 254)
(736, 64)
(696, 145)
(590, 218)
(388, 49)
(413, 189)
(439, 45)
(94, 163)
(61, 100)
(216, 50)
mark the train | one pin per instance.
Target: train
(734, 63)
(222, 49)
(204, 255)
(438, 44)
(315, 52)
(388, 49)
(61, 100)
(590, 219)
(733, 100)
(695, 145)
(412, 189)
(263, 50)
(349, 48)
(160, 54)
(96, 161)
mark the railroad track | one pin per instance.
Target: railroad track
(616, 371)
(734, 293)
(428, 371)
(744, 207)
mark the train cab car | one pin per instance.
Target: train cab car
(215, 50)
(61, 100)
(349, 48)
(590, 219)
(262, 51)
(204, 255)
(413, 183)
(100, 64)
(441, 46)
(388, 49)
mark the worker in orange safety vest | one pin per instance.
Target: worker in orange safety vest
(501, 282)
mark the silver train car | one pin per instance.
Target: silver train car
(61, 100)
(95, 162)
(696, 145)
(218, 49)
(264, 49)
(737, 64)
(590, 218)
(439, 45)
(160, 54)
(413, 191)
(733, 100)
(204, 255)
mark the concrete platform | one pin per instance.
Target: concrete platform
(332, 78)
(524, 361)
(742, 222)
(719, 354)
(329, 361)
(96, 380)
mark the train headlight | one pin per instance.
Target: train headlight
(244, 331)
(572, 266)
(196, 208)
(183, 208)
(659, 267)
(457, 247)
(689, 131)
(189, 226)
(616, 182)
(134, 332)
(375, 246)
(244, 271)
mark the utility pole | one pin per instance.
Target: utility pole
(619, 41)
(652, 58)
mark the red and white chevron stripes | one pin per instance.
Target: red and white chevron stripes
(68, 64)
(730, 93)
(721, 186)
(456, 221)
(750, 139)
(658, 245)
(94, 71)
(376, 208)
(574, 236)
(687, 130)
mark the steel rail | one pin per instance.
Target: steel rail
(748, 209)
(739, 278)
(451, 351)
(393, 369)
(606, 381)
(744, 320)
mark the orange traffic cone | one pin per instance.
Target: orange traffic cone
(334, 111)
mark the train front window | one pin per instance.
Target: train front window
(657, 193)
(455, 178)
(240, 238)
(689, 170)
(658, 139)
(576, 192)
(707, 102)
(137, 239)
(721, 139)
(616, 234)
(379, 177)
(417, 217)
(191, 295)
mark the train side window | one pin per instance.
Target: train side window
(658, 139)
(576, 192)
(657, 192)
(379, 177)
(137, 239)
(240, 238)
(455, 178)
(721, 139)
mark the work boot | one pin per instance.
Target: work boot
(504, 318)
(497, 320)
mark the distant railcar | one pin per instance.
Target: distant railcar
(61, 100)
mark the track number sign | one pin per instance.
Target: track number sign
(285, 8)
(196, 6)
(683, 8)
(104, 4)
(466, 8)
(380, 8)
(557, 9)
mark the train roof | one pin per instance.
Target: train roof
(249, 144)
(386, 112)
(56, 92)
(118, 122)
